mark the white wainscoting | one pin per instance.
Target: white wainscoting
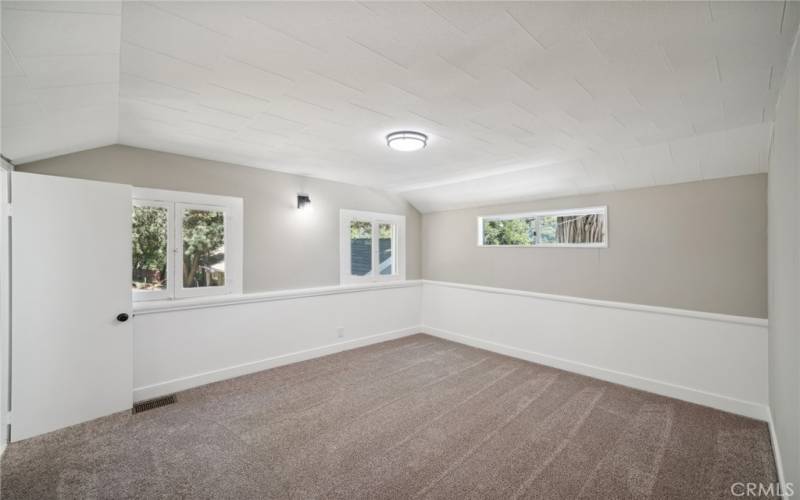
(187, 343)
(710, 359)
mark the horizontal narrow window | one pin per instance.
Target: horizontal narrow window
(584, 227)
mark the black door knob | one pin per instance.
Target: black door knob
(122, 317)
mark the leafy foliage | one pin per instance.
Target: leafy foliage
(203, 247)
(360, 230)
(149, 247)
(509, 232)
(385, 231)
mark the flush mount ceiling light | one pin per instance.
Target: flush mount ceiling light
(406, 140)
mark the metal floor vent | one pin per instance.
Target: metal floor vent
(153, 403)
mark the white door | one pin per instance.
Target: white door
(71, 356)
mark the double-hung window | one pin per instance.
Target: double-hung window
(372, 246)
(579, 227)
(185, 244)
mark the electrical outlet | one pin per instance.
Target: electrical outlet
(340, 332)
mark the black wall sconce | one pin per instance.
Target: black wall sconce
(303, 201)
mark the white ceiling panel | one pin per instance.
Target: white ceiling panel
(66, 6)
(77, 96)
(31, 32)
(16, 91)
(72, 70)
(63, 132)
(60, 74)
(722, 154)
(521, 100)
(10, 66)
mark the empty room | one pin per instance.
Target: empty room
(390, 250)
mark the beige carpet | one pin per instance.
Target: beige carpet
(417, 417)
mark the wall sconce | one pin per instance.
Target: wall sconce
(303, 201)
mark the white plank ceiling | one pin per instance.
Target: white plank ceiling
(521, 100)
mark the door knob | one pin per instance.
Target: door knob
(122, 317)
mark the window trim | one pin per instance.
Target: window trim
(603, 209)
(176, 202)
(346, 216)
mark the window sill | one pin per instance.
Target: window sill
(158, 306)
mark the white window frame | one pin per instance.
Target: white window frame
(398, 246)
(176, 202)
(603, 210)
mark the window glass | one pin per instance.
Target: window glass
(185, 244)
(203, 248)
(574, 227)
(548, 226)
(577, 229)
(516, 231)
(371, 246)
(360, 248)
(149, 241)
(386, 249)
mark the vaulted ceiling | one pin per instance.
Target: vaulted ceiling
(520, 100)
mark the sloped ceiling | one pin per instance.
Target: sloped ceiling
(520, 100)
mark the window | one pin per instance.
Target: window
(582, 227)
(151, 248)
(371, 246)
(185, 244)
(203, 246)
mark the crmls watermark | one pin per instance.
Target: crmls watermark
(762, 490)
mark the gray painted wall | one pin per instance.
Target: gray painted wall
(283, 247)
(784, 275)
(700, 246)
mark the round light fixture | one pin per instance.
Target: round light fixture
(406, 140)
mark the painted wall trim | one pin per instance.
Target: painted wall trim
(184, 383)
(155, 307)
(776, 450)
(718, 401)
(726, 318)
(248, 298)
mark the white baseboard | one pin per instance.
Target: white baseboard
(720, 402)
(181, 384)
(776, 451)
